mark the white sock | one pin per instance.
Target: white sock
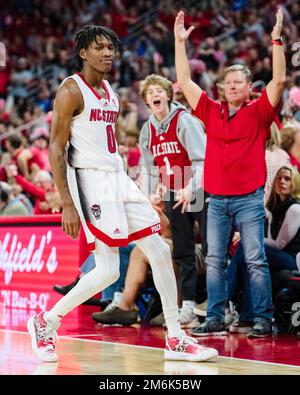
(53, 321)
(118, 297)
(159, 255)
(104, 274)
(188, 304)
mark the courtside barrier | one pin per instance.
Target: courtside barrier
(35, 254)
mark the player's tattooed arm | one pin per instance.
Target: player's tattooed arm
(63, 171)
(68, 102)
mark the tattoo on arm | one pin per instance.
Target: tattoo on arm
(61, 176)
(63, 170)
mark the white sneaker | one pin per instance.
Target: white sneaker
(188, 319)
(43, 338)
(201, 309)
(187, 348)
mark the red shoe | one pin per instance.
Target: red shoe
(43, 338)
(187, 348)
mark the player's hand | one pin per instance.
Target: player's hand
(180, 32)
(70, 221)
(156, 201)
(276, 32)
(236, 238)
(184, 197)
(155, 198)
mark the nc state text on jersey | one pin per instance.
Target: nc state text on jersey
(107, 116)
(168, 147)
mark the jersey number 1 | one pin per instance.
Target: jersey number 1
(169, 171)
(111, 139)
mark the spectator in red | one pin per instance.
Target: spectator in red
(134, 153)
(4, 115)
(42, 189)
(40, 140)
(4, 80)
(234, 175)
(28, 160)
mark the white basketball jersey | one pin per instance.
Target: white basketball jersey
(92, 142)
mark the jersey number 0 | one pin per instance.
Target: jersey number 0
(111, 139)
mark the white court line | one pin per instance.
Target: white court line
(152, 348)
(161, 349)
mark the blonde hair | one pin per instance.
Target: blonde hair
(288, 134)
(155, 79)
(275, 139)
(295, 190)
(239, 67)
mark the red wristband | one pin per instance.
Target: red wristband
(277, 42)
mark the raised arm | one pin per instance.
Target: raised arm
(191, 90)
(67, 103)
(276, 86)
(22, 161)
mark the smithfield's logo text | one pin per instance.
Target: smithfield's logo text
(16, 258)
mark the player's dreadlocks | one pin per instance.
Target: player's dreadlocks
(86, 35)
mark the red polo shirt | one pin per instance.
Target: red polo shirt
(235, 152)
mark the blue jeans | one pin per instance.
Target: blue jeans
(238, 276)
(108, 293)
(247, 213)
(88, 264)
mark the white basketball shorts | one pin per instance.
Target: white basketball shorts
(111, 207)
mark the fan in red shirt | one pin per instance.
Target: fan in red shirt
(234, 175)
(4, 115)
(40, 140)
(42, 189)
(28, 160)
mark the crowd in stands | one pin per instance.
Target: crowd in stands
(39, 38)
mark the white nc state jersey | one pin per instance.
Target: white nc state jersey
(92, 142)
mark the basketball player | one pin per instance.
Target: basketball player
(174, 141)
(96, 191)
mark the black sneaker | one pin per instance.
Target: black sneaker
(241, 327)
(261, 329)
(115, 315)
(210, 328)
(159, 320)
(64, 289)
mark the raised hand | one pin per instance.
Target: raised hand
(180, 32)
(276, 32)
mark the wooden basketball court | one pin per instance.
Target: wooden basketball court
(92, 357)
